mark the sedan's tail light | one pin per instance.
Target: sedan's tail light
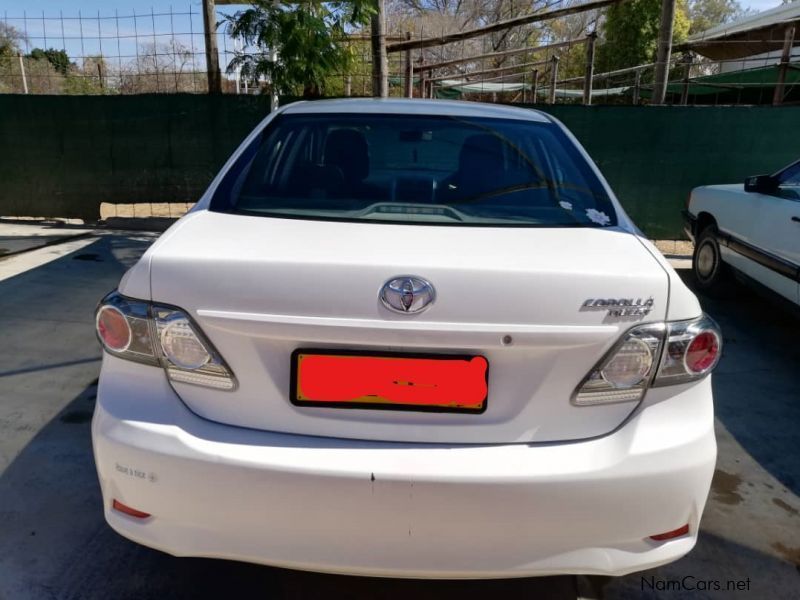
(652, 355)
(161, 336)
(624, 372)
(693, 349)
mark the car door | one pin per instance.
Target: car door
(776, 229)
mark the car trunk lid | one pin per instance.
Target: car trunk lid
(262, 288)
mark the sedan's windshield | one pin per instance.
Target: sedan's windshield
(415, 169)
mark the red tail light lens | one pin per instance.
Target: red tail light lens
(692, 350)
(702, 352)
(666, 353)
(113, 329)
(163, 336)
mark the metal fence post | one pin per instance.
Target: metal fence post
(587, 83)
(22, 72)
(786, 57)
(524, 89)
(553, 79)
(274, 97)
(687, 68)
(535, 86)
(637, 86)
(409, 82)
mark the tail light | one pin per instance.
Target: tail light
(162, 336)
(652, 355)
(692, 351)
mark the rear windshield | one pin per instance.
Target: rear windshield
(415, 169)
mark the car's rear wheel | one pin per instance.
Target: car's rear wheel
(709, 270)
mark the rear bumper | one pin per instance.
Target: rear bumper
(398, 509)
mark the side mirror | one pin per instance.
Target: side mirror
(762, 184)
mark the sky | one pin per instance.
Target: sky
(118, 29)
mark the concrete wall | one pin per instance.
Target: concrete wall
(63, 155)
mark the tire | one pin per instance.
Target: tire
(709, 271)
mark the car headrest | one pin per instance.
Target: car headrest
(347, 149)
(481, 153)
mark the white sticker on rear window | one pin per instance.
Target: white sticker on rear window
(597, 216)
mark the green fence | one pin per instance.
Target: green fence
(654, 155)
(61, 156)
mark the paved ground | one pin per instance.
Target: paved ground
(16, 237)
(54, 543)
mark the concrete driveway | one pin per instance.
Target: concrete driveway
(55, 544)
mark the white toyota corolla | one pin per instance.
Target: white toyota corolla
(407, 338)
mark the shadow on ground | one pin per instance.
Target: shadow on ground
(756, 384)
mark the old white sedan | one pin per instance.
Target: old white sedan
(407, 338)
(752, 229)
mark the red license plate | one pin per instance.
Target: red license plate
(421, 382)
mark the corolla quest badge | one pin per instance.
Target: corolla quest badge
(620, 307)
(407, 294)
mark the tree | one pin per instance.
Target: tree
(160, 68)
(57, 58)
(90, 79)
(630, 33)
(306, 36)
(11, 40)
(705, 14)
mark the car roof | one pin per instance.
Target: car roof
(412, 106)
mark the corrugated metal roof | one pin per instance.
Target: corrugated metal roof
(757, 34)
(774, 16)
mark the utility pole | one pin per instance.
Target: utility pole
(587, 83)
(553, 80)
(212, 55)
(664, 51)
(786, 57)
(380, 67)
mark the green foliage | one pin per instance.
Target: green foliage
(57, 58)
(81, 85)
(11, 39)
(630, 33)
(705, 14)
(306, 36)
